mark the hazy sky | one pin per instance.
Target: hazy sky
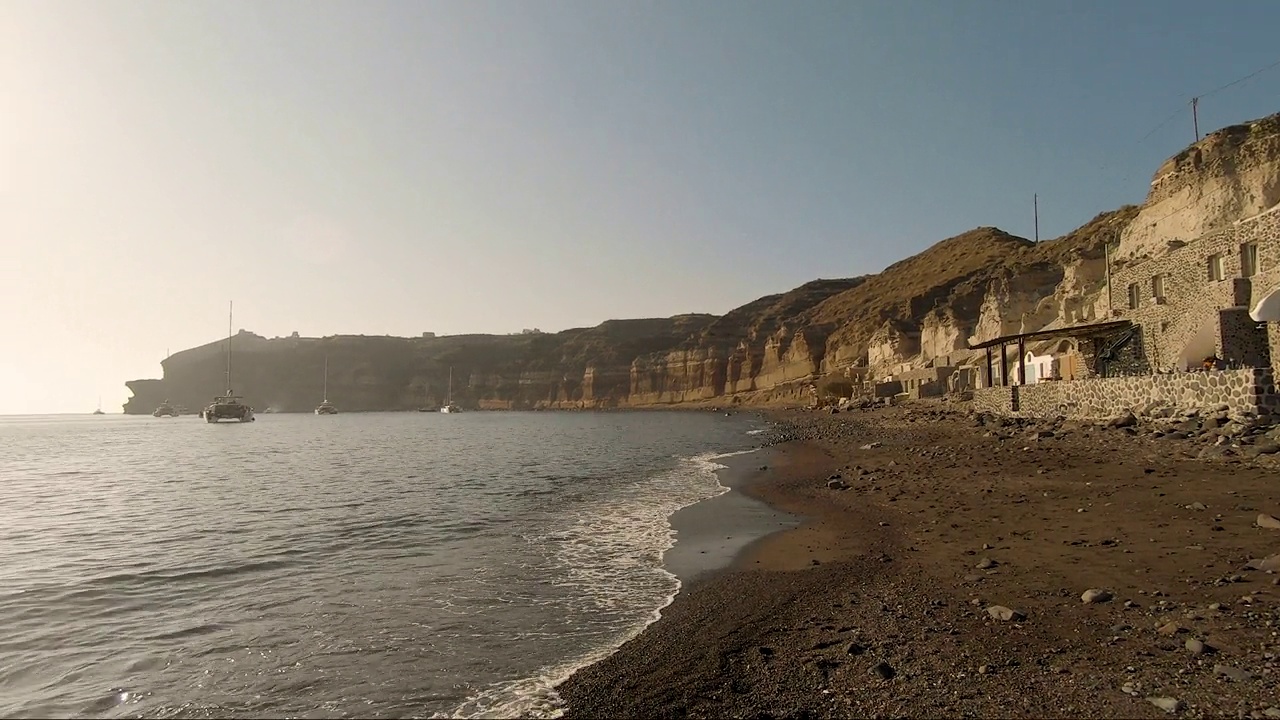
(376, 168)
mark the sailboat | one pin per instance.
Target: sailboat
(326, 407)
(228, 406)
(99, 410)
(448, 406)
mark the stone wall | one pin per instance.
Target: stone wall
(997, 400)
(1249, 390)
(1240, 341)
(1191, 299)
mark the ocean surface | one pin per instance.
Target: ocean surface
(369, 565)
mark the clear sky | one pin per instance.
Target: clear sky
(395, 167)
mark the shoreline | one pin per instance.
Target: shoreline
(876, 602)
(712, 534)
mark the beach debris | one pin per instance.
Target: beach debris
(1232, 673)
(871, 446)
(985, 563)
(884, 670)
(1095, 595)
(1000, 612)
(1167, 704)
(1268, 521)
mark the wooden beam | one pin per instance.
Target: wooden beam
(990, 370)
(1022, 365)
(1004, 366)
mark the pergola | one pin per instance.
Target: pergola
(1076, 332)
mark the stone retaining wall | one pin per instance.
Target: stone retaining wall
(1247, 391)
(998, 400)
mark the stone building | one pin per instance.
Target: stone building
(1193, 301)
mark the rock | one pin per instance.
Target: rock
(870, 446)
(985, 563)
(1197, 506)
(1167, 704)
(1267, 521)
(1124, 420)
(884, 670)
(836, 485)
(855, 649)
(1195, 647)
(1095, 595)
(1271, 712)
(1000, 612)
(1170, 629)
(1270, 563)
(1232, 673)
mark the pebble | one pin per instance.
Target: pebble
(884, 670)
(1000, 612)
(1095, 595)
(1232, 673)
(1167, 704)
(985, 563)
(1195, 647)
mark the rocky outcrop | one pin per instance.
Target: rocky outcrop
(1230, 174)
(975, 286)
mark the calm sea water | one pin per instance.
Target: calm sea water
(371, 565)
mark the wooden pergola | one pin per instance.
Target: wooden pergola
(1076, 332)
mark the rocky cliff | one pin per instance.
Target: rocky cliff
(977, 285)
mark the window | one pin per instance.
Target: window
(1248, 260)
(1216, 269)
(1157, 288)
(1135, 297)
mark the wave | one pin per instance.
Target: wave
(615, 551)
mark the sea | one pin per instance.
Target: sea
(356, 565)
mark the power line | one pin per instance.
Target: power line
(1253, 74)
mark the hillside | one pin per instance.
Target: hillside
(976, 285)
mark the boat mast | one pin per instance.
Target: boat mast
(326, 378)
(230, 309)
(448, 398)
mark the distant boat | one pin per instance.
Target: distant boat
(448, 406)
(99, 410)
(228, 406)
(165, 410)
(326, 407)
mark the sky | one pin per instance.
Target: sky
(471, 166)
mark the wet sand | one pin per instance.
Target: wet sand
(877, 605)
(712, 533)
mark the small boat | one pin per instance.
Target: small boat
(99, 410)
(326, 407)
(228, 406)
(448, 406)
(165, 410)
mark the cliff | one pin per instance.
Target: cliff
(923, 310)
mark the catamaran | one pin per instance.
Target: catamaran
(228, 406)
(326, 407)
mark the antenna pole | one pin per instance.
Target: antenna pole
(1035, 204)
(1195, 117)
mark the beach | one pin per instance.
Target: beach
(946, 573)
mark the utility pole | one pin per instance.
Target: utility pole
(1035, 204)
(1195, 118)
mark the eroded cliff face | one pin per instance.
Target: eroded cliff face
(975, 286)
(1231, 174)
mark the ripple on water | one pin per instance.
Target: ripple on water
(369, 565)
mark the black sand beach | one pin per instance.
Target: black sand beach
(887, 600)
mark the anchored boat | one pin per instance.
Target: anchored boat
(228, 406)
